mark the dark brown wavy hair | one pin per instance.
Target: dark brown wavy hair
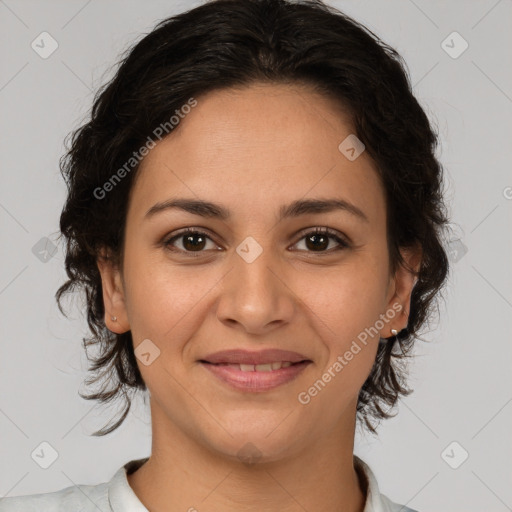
(230, 43)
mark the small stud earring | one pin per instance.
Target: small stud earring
(113, 318)
(394, 332)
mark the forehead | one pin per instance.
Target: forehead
(257, 146)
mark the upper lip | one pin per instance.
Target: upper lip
(255, 357)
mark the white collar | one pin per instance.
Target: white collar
(122, 498)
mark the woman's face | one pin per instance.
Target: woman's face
(257, 279)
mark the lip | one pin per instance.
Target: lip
(221, 365)
(255, 357)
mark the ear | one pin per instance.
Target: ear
(113, 294)
(400, 290)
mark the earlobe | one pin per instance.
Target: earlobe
(116, 318)
(404, 280)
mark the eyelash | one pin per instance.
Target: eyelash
(344, 244)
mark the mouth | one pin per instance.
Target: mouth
(255, 371)
(266, 367)
(246, 357)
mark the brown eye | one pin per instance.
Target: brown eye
(194, 241)
(319, 239)
(190, 241)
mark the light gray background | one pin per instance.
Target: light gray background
(461, 376)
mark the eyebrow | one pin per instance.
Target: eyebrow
(295, 209)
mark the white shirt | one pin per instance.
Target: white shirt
(117, 496)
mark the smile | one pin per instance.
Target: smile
(268, 367)
(256, 377)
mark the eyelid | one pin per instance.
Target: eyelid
(323, 230)
(190, 229)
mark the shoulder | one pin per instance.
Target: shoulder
(375, 500)
(114, 494)
(391, 506)
(83, 498)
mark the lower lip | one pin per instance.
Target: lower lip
(255, 381)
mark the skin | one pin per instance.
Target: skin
(253, 150)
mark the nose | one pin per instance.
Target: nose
(255, 296)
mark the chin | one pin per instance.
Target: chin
(256, 439)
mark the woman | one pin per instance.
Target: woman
(255, 214)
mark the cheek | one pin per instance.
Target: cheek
(347, 307)
(165, 302)
(344, 317)
(347, 300)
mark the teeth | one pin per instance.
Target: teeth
(268, 367)
(264, 367)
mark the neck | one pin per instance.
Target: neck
(182, 474)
